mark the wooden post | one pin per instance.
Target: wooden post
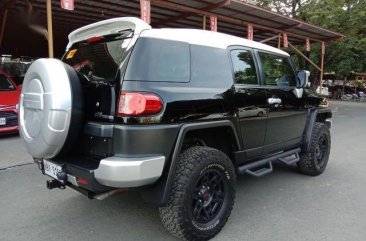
(279, 41)
(321, 66)
(49, 28)
(3, 25)
(204, 22)
(145, 11)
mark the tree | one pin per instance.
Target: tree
(344, 16)
(290, 8)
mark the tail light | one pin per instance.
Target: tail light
(138, 104)
(94, 39)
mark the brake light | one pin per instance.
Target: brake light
(94, 39)
(138, 104)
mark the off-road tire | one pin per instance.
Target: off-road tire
(193, 164)
(312, 163)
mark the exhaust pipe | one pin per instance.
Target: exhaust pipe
(103, 196)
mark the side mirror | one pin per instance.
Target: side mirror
(302, 78)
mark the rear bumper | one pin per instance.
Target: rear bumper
(122, 172)
(112, 172)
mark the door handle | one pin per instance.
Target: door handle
(274, 100)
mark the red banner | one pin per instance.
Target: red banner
(285, 40)
(307, 44)
(67, 4)
(145, 10)
(250, 34)
(213, 23)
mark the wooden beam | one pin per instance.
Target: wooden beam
(303, 55)
(3, 25)
(49, 28)
(204, 22)
(268, 39)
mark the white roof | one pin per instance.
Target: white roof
(207, 38)
(192, 36)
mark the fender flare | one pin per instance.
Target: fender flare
(313, 114)
(159, 193)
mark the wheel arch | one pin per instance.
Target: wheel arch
(159, 193)
(315, 115)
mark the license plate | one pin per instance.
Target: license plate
(2, 121)
(51, 169)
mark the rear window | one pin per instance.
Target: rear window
(5, 83)
(100, 60)
(159, 60)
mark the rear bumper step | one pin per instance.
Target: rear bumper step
(123, 172)
(262, 167)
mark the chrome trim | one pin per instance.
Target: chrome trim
(129, 171)
(72, 180)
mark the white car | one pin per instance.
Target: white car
(324, 91)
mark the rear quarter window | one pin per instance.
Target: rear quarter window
(159, 60)
(210, 65)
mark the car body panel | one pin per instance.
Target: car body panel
(8, 102)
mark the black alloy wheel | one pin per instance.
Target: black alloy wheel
(321, 151)
(208, 196)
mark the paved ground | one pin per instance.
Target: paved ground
(283, 206)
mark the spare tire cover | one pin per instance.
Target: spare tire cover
(46, 103)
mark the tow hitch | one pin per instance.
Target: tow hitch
(51, 184)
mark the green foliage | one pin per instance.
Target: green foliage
(344, 16)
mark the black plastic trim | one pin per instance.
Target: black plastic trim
(312, 117)
(159, 194)
(98, 129)
(77, 110)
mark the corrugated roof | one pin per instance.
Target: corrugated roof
(233, 17)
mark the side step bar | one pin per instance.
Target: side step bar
(264, 166)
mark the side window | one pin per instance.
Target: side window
(244, 67)
(277, 70)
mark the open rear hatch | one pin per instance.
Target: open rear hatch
(97, 53)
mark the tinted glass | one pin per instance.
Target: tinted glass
(277, 70)
(98, 60)
(5, 84)
(244, 67)
(15, 70)
(159, 60)
(210, 65)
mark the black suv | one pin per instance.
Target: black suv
(174, 113)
